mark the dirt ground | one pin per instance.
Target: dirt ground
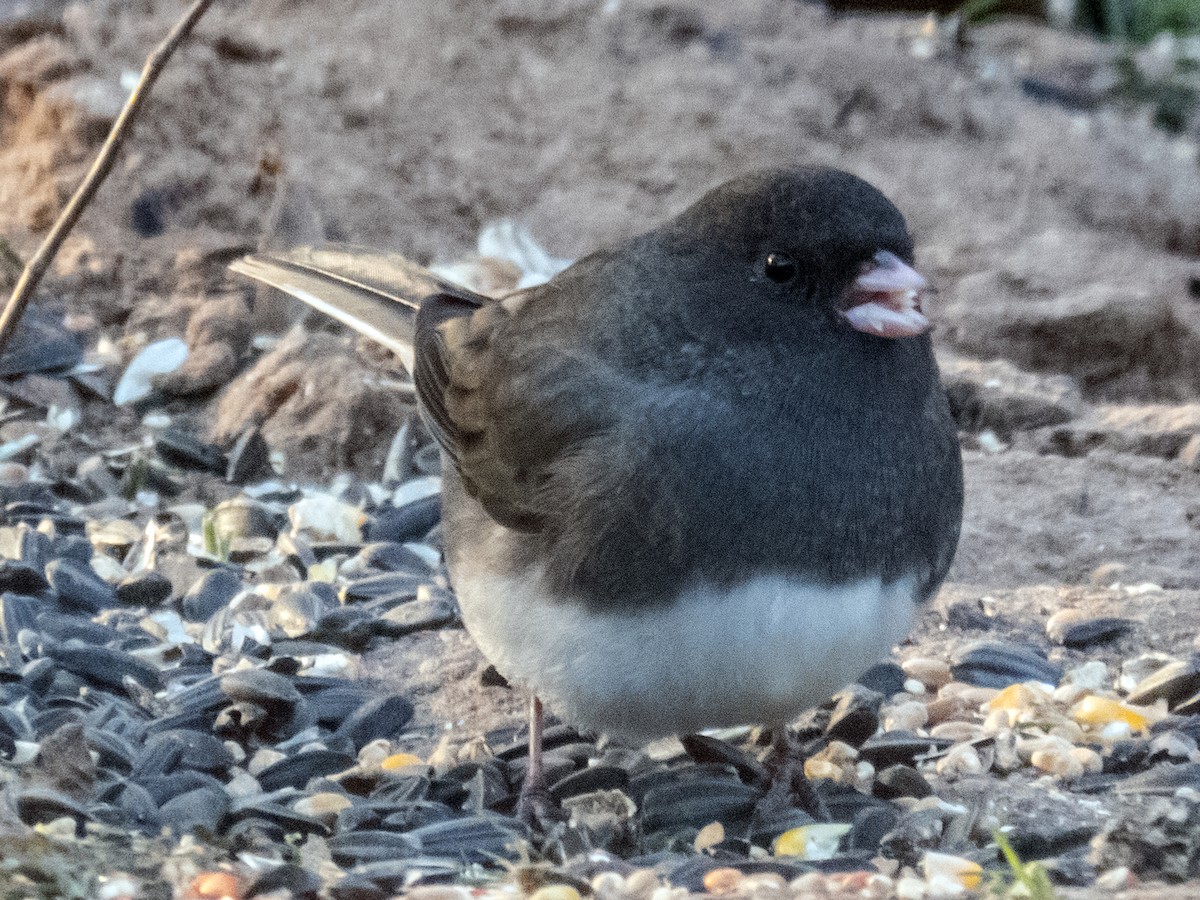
(1063, 237)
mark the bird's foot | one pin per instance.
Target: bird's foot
(790, 787)
(537, 809)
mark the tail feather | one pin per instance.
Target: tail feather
(378, 294)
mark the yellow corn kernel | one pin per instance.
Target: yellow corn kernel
(401, 761)
(817, 841)
(1103, 710)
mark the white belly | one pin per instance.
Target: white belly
(757, 654)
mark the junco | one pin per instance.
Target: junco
(701, 478)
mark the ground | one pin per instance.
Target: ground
(1059, 225)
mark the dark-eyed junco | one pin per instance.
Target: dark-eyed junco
(701, 478)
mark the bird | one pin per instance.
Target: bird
(704, 477)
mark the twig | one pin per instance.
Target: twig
(40, 262)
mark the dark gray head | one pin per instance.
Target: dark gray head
(785, 254)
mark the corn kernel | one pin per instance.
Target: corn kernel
(401, 761)
(817, 841)
(1102, 710)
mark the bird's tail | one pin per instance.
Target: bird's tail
(376, 293)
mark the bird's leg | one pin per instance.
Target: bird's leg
(780, 754)
(790, 787)
(534, 805)
(537, 724)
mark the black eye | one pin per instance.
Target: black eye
(780, 267)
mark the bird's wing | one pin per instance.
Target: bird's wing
(376, 293)
(503, 406)
(515, 392)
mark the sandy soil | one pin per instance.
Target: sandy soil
(1065, 242)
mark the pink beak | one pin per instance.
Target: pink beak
(885, 300)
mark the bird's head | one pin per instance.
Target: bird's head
(810, 248)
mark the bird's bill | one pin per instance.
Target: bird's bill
(885, 300)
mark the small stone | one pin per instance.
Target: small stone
(907, 716)
(764, 884)
(810, 884)
(963, 759)
(933, 673)
(607, 885)
(1118, 879)
(1093, 675)
(13, 474)
(439, 892)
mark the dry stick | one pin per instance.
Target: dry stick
(37, 266)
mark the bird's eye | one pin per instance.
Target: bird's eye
(780, 267)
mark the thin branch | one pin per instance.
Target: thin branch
(40, 262)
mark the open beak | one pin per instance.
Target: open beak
(885, 300)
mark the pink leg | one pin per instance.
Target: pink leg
(533, 775)
(534, 805)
